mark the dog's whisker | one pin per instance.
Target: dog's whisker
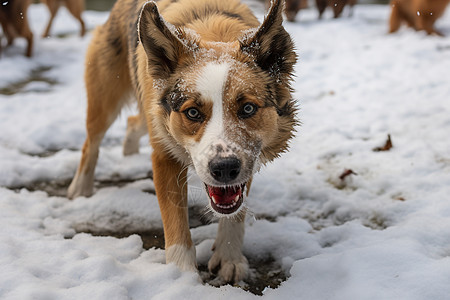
(181, 174)
(208, 213)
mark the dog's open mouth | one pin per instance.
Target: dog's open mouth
(226, 200)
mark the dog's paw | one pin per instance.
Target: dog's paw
(130, 146)
(136, 128)
(183, 257)
(80, 187)
(229, 267)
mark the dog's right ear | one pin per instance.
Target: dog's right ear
(162, 41)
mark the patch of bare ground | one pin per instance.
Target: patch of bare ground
(36, 75)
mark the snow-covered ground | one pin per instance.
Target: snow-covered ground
(382, 233)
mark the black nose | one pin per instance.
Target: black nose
(225, 169)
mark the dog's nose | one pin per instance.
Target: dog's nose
(225, 169)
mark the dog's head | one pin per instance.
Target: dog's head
(226, 106)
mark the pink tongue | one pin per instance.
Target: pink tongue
(223, 195)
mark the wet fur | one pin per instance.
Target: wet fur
(418, 14)
(159, 64)
(14, 21)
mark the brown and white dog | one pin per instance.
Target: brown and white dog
(418, 14)
(213, 87)
(14, 21)
(75, 7)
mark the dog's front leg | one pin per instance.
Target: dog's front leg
(171, 190)
(228, 257)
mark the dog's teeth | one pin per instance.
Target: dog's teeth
(214, 199)
(236, 199)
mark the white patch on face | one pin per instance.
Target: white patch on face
(210, 84)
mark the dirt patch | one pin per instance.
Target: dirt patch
(320, 220)
(153, 238)
(54, 188)
(264, 273)
(58, 187)
(37, 75)
(267, 273)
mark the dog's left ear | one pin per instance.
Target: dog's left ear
(163, 43)
(271, 45)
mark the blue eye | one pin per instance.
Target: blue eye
(193, 114)
(247, 110)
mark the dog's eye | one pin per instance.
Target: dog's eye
(247, 110)
(193, 114)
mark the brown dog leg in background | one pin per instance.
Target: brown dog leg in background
(75, 7)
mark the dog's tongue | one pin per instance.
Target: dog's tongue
(224, 195)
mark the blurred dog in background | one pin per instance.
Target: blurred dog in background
(337, 5)
(75, 7)
(418, 14)
(14, 21)
(292, 7)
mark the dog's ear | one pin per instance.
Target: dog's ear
(271, 46)
(161, 41)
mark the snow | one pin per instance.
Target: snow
(383, 233)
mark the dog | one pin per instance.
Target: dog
(418, 14)
(292, 7)
(14, 21)
(337, 5)
(75, 7)
(214, 92)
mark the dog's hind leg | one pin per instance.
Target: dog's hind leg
(107, 85)
(76, 8)
(136, 128)
(228, 250)
(171, 189)
(338, 7)
(9, 33)
(321, 6)
(426, 22)
(53, 7)
(99, 119)
(23, 29)
(29, 37)
(395, 20)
